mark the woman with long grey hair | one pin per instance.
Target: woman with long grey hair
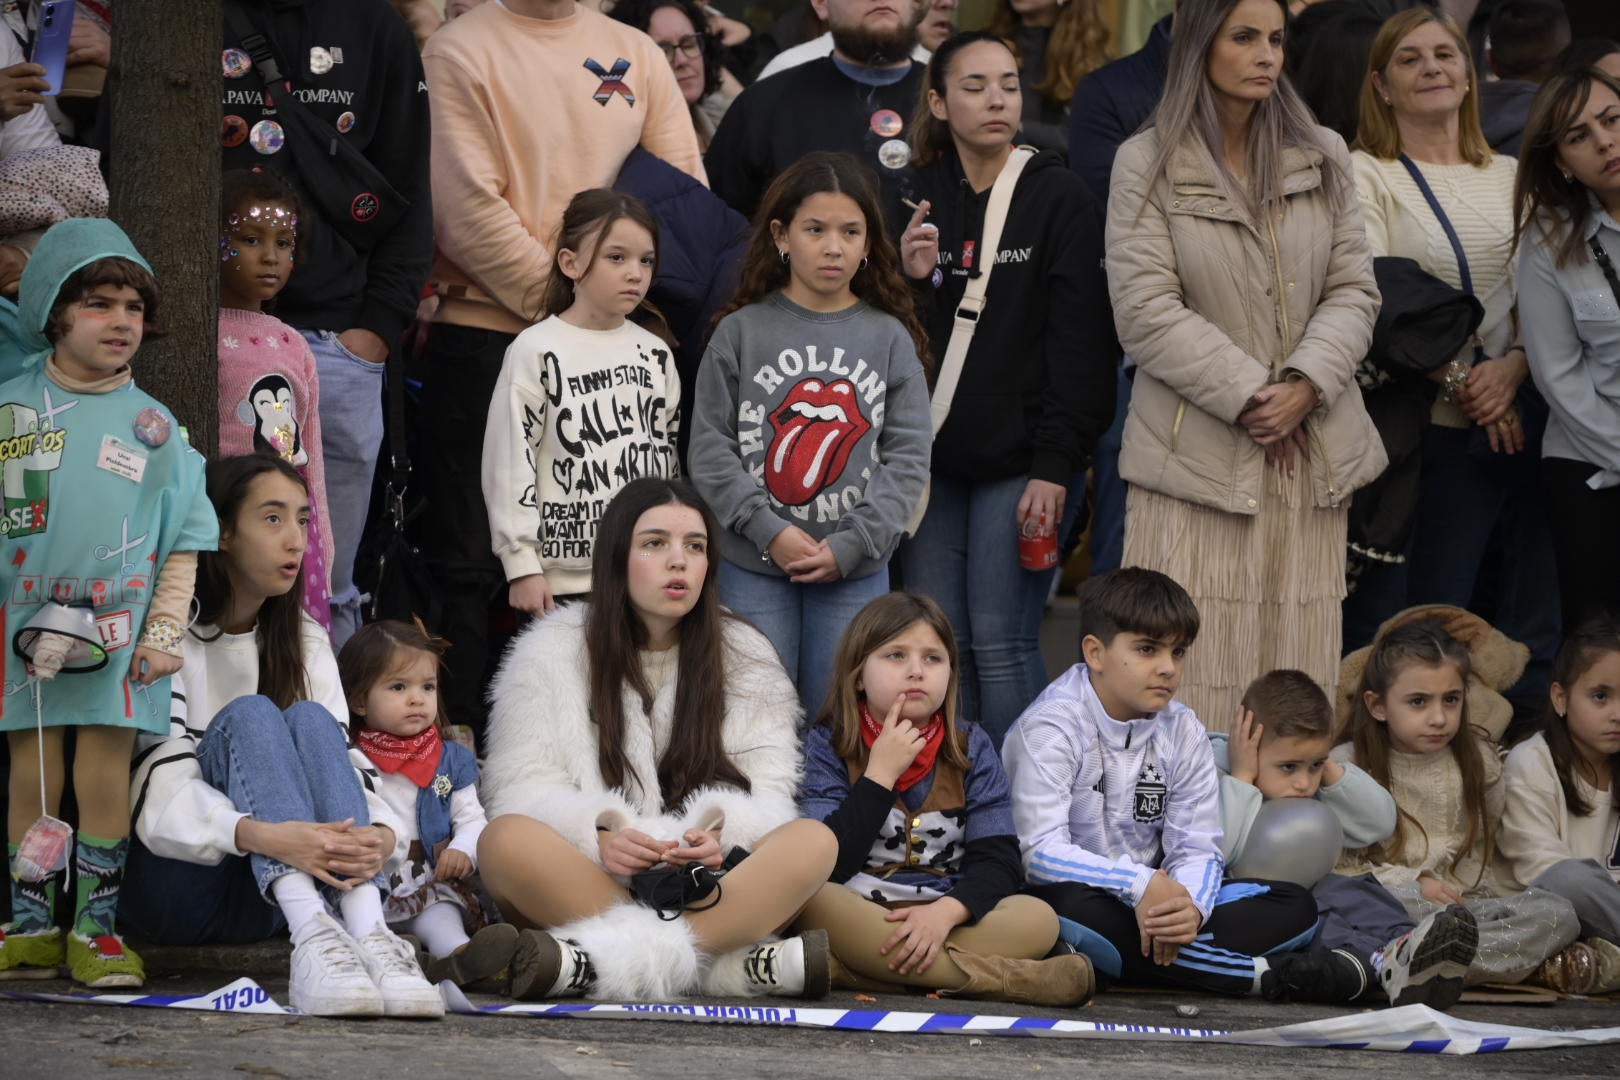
(1243, 289)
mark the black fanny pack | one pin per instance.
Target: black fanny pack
(672, 890)
(350, 193)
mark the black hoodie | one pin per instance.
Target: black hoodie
(372, 93)
(1037, 388)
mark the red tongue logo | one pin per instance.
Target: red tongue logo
(817, 426)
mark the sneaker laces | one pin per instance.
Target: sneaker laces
(396, 956)
(336, 953)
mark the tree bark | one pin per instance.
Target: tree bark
(164, 116)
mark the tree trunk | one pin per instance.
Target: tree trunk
(164, 166)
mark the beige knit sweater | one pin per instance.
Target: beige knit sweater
(1428, 788)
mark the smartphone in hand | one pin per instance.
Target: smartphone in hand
(51, 39)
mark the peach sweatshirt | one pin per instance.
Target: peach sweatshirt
(527, 113)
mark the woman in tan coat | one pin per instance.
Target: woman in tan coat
(1243, 290)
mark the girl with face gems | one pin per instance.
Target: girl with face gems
(650, 730)
(1568, 205)
(1037, 384)
(269, 392)
(1559, 822)
(1407, 727)
(1419, 131)
(254, 814)
(1243, 290)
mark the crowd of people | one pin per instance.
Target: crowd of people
(760, 384)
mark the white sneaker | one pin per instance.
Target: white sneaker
(1427, 964)
(391, 963)
(328, 977)
(797, 967)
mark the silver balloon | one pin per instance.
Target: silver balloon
(1296, 840)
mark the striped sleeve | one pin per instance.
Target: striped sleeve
(1192, 817)
(175, 812)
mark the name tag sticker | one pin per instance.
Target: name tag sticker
(121, 458)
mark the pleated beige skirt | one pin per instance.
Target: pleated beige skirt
(1268, 586)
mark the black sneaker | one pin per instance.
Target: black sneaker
(1317, 976)
(1426, 965)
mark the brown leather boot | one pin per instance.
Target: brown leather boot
(1573, 971)
(1059, 980)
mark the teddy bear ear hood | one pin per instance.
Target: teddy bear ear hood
(68, 246)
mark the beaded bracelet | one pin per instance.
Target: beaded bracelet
(1456, 378)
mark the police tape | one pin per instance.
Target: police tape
(1412, 1029)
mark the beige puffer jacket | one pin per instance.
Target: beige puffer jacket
(1196, 289)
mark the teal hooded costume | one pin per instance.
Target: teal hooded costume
(96, 491)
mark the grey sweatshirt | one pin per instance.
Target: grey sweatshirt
(813, 419)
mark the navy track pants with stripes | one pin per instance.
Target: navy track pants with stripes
(1250, 918)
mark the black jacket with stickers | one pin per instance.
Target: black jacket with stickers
(1037, 387)
(372, 93)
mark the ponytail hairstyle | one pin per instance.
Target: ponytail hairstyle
(1585, 646)
(1078, 46)
(1188, 112)
(1425, 642)
(1559, 210)
(880, 283)
(879, 622)
(614, 635)
(931, 136)
(378, 650)
(279, 631)
(589, 217)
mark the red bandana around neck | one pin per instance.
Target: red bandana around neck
(932, 731)
(417, 757)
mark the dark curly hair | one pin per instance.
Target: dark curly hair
(639, 13)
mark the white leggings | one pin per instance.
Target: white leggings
(437, 926)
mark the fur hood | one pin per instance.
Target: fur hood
(541, 753)
(1497, 662)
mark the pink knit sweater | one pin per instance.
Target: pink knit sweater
(269, 400)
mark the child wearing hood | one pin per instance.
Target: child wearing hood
(104, 508)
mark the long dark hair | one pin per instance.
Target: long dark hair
(614, 634)
(931, 136)
(880, 284)
(1581, 649)
(881, 621)
(1424, 642)
(589, 216)
(1557, 208)
(283, 678)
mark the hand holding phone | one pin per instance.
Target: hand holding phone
(52, 37)
(22, 86)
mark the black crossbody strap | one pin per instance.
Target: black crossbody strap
(1605, 264)
(1445, 223)
(257, 45)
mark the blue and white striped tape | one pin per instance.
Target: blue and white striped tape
(1412, 1029)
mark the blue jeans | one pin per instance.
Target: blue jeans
(275, 766)
(351, 437)
(803, 622)
(1465, 503)
(1108, 488)
(965, 556)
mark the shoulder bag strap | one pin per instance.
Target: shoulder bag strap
(972, 304)
(1605, 264)
(1445, 223)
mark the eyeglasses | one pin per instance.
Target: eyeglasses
(691, 46)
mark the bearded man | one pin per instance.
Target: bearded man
(859, 100)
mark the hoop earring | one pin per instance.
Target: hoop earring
(784, 256)
(1569, 178)
(864, 261)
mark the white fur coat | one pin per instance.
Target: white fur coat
(541, 754)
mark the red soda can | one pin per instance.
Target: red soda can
(1038, 551)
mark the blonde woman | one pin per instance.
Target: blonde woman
(1431, 190)
(1243, 289)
